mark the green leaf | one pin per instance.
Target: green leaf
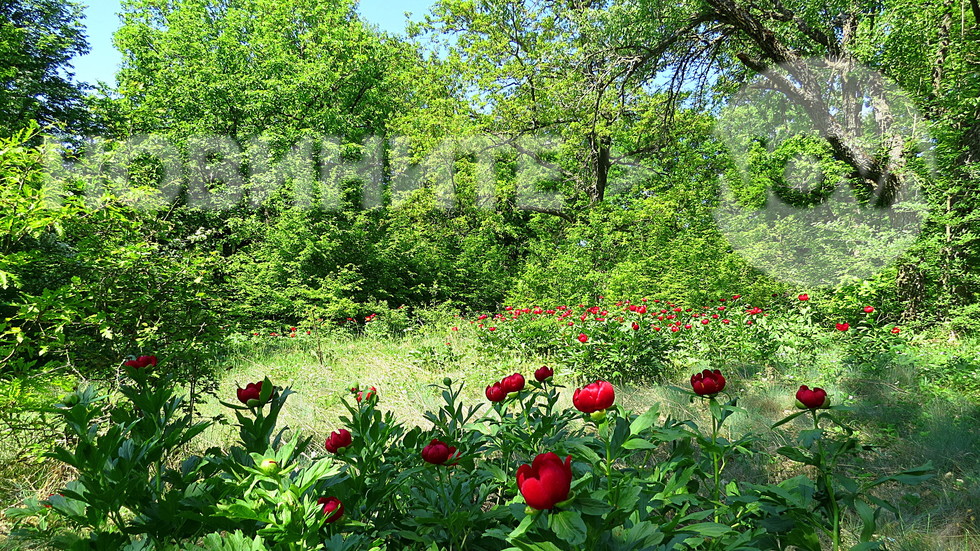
(524, 526)
(789, 418)
(709, 529)
(638, 444)
(645, 421)
(809, 436)
(796, 454)
(868, 519)
(915, 475)
(568, 526)
(592, 506)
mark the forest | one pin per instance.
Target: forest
(624, 192)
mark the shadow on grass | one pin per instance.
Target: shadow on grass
(907, 425)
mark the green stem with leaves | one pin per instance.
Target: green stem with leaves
(828, 480)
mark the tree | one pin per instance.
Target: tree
(38, 39)
(530, 69)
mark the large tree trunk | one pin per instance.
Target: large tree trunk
(601, 147)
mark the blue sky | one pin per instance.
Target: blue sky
(101, 21)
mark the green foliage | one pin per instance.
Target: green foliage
(638, 481)
(38, 39)
(83, 285)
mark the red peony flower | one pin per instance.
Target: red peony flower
(338, 440)
(583, 338)
(869, 309)
(843, 326)
(543, 373)
(332, 508)
(438, 452)
(367, 395)
(594, 397)
(513, 383)
(636, 326)
(251, 394)
(811, 399)
(142, 362)
(804, 296)
(546, 481)
(708, 382)
(496, 393)
(705, 322)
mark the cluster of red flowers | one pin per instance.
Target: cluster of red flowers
(589, 314)
(867, 310)
(546, 482)
(666, 316)
(369, 395)
(497, 392)
(710, 382)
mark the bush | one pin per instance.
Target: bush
(522, 474)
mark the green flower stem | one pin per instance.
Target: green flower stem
(715, 456)
(828, 481)
(609, 483)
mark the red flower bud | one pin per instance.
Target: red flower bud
(437, 452)
(804, 296)
(896, 330)
(513, 383)
(583, 338)
(332, 508)
(811, 399)
(543, 373)
(546, 481)
(708, 383)
(594, 397)
(251, 393)
(368, 395)
(869, 309)
(843, 326)
(496, 393)
(338, 440)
